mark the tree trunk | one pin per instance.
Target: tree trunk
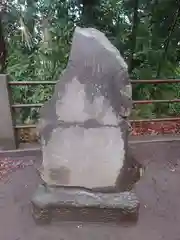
(30, 15)
(134, 34)
(89, 12)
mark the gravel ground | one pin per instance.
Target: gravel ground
(158, 191)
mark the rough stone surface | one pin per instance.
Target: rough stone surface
(81, 205)
(84, 127)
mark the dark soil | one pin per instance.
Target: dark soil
(158, 191)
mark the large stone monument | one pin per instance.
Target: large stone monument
(84, 131)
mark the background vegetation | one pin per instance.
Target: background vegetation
(35, 36)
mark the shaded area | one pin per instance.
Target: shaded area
(158, 191)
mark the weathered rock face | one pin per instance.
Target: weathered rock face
(83, 127)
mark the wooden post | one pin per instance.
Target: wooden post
(7, 134)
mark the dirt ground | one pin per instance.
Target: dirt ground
(158, 191)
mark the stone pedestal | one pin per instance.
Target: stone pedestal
(54, 203)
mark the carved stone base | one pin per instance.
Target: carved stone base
(53, 203)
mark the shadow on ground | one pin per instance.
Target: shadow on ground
(158, 191)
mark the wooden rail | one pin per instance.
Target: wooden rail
(135, 102)
(155, 81)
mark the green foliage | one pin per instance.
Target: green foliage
(38, 34)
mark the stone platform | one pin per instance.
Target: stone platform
(55, 203)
